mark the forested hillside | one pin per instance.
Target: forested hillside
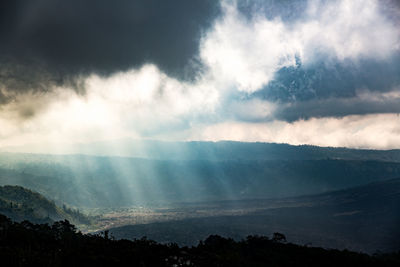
(20, 204)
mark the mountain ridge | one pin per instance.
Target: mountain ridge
(218, 150)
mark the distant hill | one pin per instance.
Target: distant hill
(93, 181)
(200, 150)
(364, 218)
(20, 204)
(164, 172)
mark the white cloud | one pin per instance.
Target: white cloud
(244, 54)
(253, 109)
(381, 131)
(348, 29)
(135, 103)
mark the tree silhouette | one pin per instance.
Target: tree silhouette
(278, 237)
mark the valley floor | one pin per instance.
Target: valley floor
(362, 219)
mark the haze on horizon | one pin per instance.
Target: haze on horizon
(314, 72)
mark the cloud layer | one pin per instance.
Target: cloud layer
(317, 72)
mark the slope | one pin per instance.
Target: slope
(20, 204)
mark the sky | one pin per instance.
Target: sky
(325, 73)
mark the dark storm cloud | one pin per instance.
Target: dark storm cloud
(332, 79)
(55, 42)
(50, 42)
(333, 89)
(287, 10)
(339, 107)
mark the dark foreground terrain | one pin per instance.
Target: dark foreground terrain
(364, 218)
(27, 244)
